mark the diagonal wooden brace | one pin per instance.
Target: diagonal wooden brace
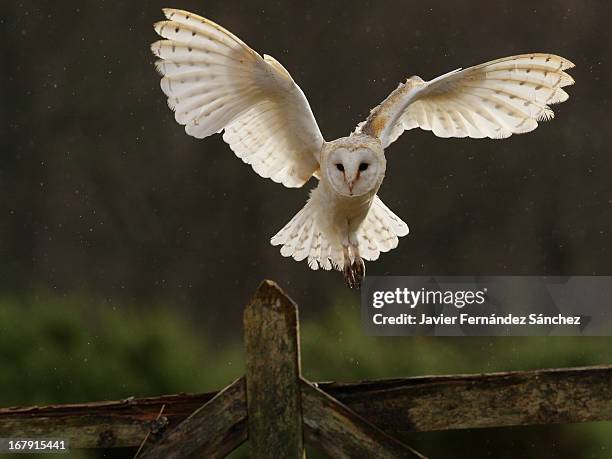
(214, 430)
(341, 433)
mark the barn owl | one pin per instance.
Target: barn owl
(216, 83)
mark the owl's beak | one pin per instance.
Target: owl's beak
(351, 183)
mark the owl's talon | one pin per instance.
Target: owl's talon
(354, 273)
(360, 269)
(349, 277)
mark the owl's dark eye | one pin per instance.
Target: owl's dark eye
(340, 167)
(363, 166)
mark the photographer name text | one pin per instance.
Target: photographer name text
(467, 319)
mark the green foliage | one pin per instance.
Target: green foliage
(71, 350)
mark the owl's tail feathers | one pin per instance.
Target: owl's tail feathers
(303, 239)
(380, 231)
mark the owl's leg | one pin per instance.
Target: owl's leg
(349, 278)
(354, 267)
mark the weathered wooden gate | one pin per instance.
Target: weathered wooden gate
(277, 409)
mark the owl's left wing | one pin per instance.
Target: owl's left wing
(496, 99)
(215, 82)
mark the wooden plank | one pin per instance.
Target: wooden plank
(272, 358)
(482, 400)
(121, 423)
(107, 424)
(214, 430)
(341, 433)
(425, 403)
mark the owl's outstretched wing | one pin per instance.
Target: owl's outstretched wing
(215, 82)
(496, 99)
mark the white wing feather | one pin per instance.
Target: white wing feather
(215, 82)
(496, 99)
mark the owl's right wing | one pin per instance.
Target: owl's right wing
(495, 99)
(215, 82)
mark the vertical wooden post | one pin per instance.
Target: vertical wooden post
(272, 375)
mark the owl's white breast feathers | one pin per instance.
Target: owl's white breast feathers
(496, 99)
(215, 82)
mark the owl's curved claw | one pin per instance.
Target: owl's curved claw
(354, 273)
(349, 276)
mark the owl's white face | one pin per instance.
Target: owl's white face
(354, 167)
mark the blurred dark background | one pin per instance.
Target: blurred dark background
(114, 221)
